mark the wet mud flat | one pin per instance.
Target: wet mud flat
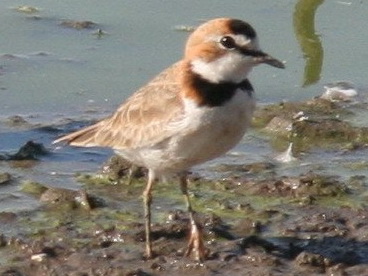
(307, 225)
(255, 221)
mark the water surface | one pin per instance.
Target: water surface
(49, 73)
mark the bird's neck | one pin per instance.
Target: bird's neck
(208, 93)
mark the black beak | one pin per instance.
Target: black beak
(261, 57)
(270, 61)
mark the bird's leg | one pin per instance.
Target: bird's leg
(195, 244)
(147, 200)
(130, 175)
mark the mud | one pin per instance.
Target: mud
(254, 221)
(289, 233)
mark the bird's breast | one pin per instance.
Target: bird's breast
(209, 132)
(201, 134)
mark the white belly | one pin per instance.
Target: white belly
(204, 133)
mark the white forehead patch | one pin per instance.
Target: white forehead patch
(239, 39)
(242, 40)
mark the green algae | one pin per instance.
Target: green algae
(63, 208)
(328, 133)
(314, 123)
(206, 197)
(260, 201)
(257, 207)
(316, 108)
(94, 179)
(357, 165)
(343, 201)
(33, 188)
(250, 199)
(229, 199)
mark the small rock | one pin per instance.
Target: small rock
(311, 259)
(137, 272)
(253, 168)
(33, 188)
(339, 91)
(79, 25)
(117, 167)
(184, 28)
(72, 199)
(5, 178)
(3, 241)
(16, 121)
(258, 167)
(39, 257)
(279, 125)
(29, 151)
(56, 195)
(7, 217)
(11, 272)
(27, 9)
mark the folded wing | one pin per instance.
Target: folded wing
(141, 121)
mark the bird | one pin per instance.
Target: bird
(192, 112)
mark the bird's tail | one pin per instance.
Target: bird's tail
(82, 138)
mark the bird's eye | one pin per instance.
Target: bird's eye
(228, 42)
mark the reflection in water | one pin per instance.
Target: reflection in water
(308, 39)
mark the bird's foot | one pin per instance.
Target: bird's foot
(149, 254)
(196, 244)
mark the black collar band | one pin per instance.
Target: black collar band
(216, 94)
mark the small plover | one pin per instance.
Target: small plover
(195, 110)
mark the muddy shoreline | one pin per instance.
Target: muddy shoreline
(255, 221)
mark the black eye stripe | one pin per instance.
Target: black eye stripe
(228, 42)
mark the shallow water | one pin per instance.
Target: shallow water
(49, 73)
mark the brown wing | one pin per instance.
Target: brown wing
(142, 120)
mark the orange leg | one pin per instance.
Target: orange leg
(195, 244)
(147, 200)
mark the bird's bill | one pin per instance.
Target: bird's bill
(259, 56)
(267, 59)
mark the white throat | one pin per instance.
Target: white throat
(232, 67)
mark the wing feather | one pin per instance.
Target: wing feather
(142, 120)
